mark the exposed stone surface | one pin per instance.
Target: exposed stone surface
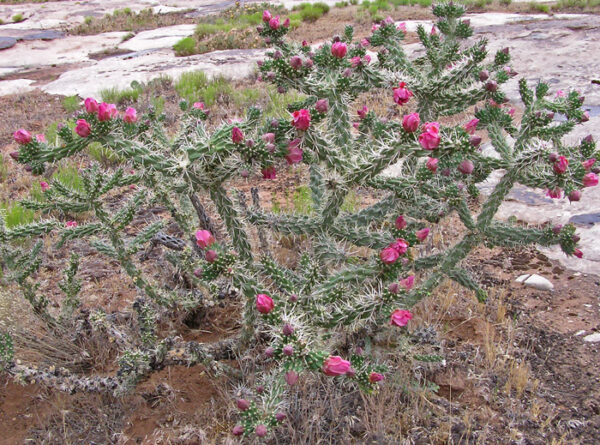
(592, 338)
(158, 38)
(538, 282)
(15, 86)
(7, 42)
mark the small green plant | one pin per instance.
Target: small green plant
(185, 47)
(539, 7)
(122, 96)
(88, 20)
(505, 2)
(3, 168)
(18, 18)
(194, 86)
(103, 154)
(71, 103)
(343, 4)
(16, 215)
(7, 351)
(302, 200)
(68, 175)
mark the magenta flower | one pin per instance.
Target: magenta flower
(365, 42)
(261, 430)
(264, 303)
(560, 93)
(339, 50)
(587, 165)
(335, 365)
(355, 61)
(44, 185)
(71, 224)
(294, 155)
(578, 253)
(590, 180)
(288, 350)
(466, 167)
(242, 404)
(422, 234)
(130, 115)
(106, 111)
(402, 94)
(266, 16)
(400, 317)
(82, 128)
(362, 113)
(40, 137)
(22, 136)
(91, 106)
(411, 122)
(322, 105)
(555, 193)
(237, 430)
(301, 119)
(269, 172)
(400, 246)
(198, 105)
(471, 126)
(291, 377)
(204, 239)
(389, 255)
(296, 62)
(274, 23)
(575, 196)
(432, 164)
(430, 138)
(210, 256)
(375, 377)
(237, 137)
(400, 223)
(408, 282)
(560, 166)
(401, 27)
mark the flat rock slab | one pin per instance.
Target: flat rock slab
(16, 86)
(585, 219)
(7, 42)
(158, 38)
(120, 71)
(592, 338)
(536, 281)
(31, 34)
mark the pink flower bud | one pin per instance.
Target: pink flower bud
(293, 298)
(557, 228)
(362, 113)
(236, 135)
(555, 193)
(408, 282)
(484, 75)
(40, 138)
(587, 165)
(22, 136)
(288, 329)
(210, 256)
(475, 141)
(585, 117)
(575, 195)
(590, 180)
(291, 377)
(44, 185)
(339, 50)
(365, 42)
(491, 86)
(286, 22)
(400, 222)
(402, 94)
(375, 377)
(471, 126)
(422, 234)
(71, 224)
(393, 288)
(237, 430)
(261, 430)
(130, 115)
(560, 166)
(400, 317)
(335, 365)
(411, 122)
(264, 303)
(308, 63)
(296, 62)
(322, 105)
(432, 164)
(433, 31)
(389, 255)
(294, 155)
(355, 61)
(466, 167)
(274, 23)
(14, 155)
(198, 272)
(401, 27)
(243, 404)
(106, 111)
(269, 352)
(91, 106)
(204, 239)
(304, 43)
(82, 128)
(301, 119)
(280, 417)
(288, 350)
(269, 172)
(578, 253)
(266, 16)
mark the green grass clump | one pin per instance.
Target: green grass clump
(69, 176)
(302, 200)
(16, 215)
(310, 12)
(71, 103)
(18, 18)
(3, 168)
(122, 96)
(185, 47)
(342, 4)
(102, 154)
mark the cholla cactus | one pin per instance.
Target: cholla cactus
(330, 290)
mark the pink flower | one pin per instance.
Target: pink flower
(400, 246)
(339, 50)
(204, 238)
(280, 417)
(555, 193)
(260, 430)
(286, 22)
(374, 27)
(91, 106)
(590, 180)
(322, 106)
(266, 16)
(355, 61)
(269, 138)
(106, 111)
(432, 164)
(44, 185)
(433, 31)
(269, 172)
(430, 138)
(335, 365)
(400, 317)
(82, 128)
(288, 350)
(237, 430)
(301, 119)
(389, 255)
(511, 112)
(466, 167)
(560, 93)
(242, 404)
(367, 59)
(362, 113)
(402, 94)
(401, 27)
(375, 377)
(400, 223)
(264, 303)
(589, 163)
(130, 115)
(22, 136)
(410, 122)
(274, 23)
(294, 155)
(198, 105)
(471, 126)
(574, 196)
(291, 377)
(560, 166)
(237, 136)
(578, 253)
(408, 282)
(422, 234)
(296, 62)
(210, 256)
(71, 224)
(40, 137)
(365, 42)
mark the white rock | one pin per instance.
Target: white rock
(522, 278)
(158, 38)
(578, 333)
(538, 282)
(15, 86)
(592, 338)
